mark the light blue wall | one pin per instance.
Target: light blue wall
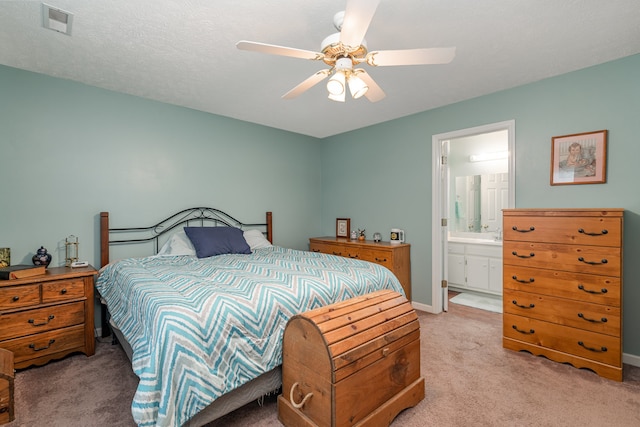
(380, 177)
(69, 151)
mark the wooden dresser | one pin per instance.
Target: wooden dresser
(396, 257)
(352, 363)
(49, 316)
(562, 276)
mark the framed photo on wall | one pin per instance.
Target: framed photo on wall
(343, 227)
(580, 158)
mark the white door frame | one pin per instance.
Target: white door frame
(438, 232)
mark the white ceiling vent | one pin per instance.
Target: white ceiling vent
(56, 19)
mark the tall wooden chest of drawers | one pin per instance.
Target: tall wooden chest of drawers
(562, 277)
(49, 316)
(353, 363)
(396, 257)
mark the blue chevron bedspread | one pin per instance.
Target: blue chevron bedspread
(200, 328)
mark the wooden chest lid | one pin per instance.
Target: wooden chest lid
(342, 338)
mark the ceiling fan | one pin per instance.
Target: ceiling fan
(345, 50)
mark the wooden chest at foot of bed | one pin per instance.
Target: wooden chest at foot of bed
(353, 363)
(6, 386)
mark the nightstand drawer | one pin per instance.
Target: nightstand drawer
(62, 290)
(27, 348)
(19, 296)
(29, 322)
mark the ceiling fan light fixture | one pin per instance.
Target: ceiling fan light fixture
(338, 98)
(336, 83)
(357, 86)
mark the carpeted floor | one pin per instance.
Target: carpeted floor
(470, 381)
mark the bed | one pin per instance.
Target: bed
(204, 333)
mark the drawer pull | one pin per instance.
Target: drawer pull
(602, 233)
(601, 291)
(301, 404)
(531, 331)
(315, 250)
(33, 346)
(515, 228)
(49, 319)
(63, 291)
(602, 320)
(4, 409)
(353, 256)
(531, 279)
(337, 253)
(531, 255)
(603, 261)
(601, 350)
(522, 306)
(16, 298)
(381, 259)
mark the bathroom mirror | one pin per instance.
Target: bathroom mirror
(478, 201)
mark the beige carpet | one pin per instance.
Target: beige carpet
(470, 381)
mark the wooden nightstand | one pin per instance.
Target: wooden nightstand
(49, 316)
(396, 257)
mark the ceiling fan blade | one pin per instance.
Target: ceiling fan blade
(374, 94)
(357, 17)
(278, 50)
(436, 55)
(307, 84)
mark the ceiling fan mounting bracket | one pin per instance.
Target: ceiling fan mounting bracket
(333, 49)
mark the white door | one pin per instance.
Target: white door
(440, 201)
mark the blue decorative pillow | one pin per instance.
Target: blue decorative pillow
(210, 241)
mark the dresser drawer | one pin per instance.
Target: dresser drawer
(62, 290)
(584, 287)
(45, 343)
(600, 260)
(568, 230)
(384, 258)
(19, 296)
(590, 345)
(582, 315)
(29, 322)
(330, 249)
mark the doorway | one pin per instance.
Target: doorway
(442, 219)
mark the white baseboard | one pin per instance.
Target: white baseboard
(631, 359)
(422, 307)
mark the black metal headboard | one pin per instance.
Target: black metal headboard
(200, 216)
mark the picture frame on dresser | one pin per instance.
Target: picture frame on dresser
(343, 227)
(579, 158)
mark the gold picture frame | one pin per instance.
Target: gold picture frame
(343, 227)
(580, 158)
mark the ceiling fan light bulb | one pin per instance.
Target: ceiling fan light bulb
(338, 98)
(357, 86)
(336, 83)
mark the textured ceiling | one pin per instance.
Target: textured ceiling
(183, 52)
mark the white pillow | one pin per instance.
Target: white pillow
(256, 239)
(178, 244)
